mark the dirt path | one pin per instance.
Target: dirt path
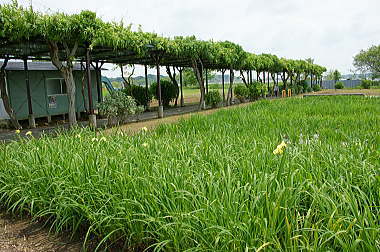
(133, 128)
(20, 234)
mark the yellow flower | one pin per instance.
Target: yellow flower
(29, 133)
(78, 136)
(282, 145)
(145, 145)
(144, 129)
(278, 151)
(280, 148)
(17, 131)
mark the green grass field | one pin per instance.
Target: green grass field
(213, 182)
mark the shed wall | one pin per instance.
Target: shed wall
(40, 100)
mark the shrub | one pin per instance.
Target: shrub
(297, 89)
(316, 88)
(255, 90)
(241, 92)
(339, 85)
(169, 91)
(308, 89)
(117, 106)
(366, 84)
(213, 98)
(139, 94)
(305, 86)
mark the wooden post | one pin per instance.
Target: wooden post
(269, 93)
(181, 85)
(98, 76)
(206, 81)
(230, 96)
(32, 121)
(224, 95)
(311, 80)
(92, 116)
(264, 77)
(146, 86)
(160, 106)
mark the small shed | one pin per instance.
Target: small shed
(48, 89)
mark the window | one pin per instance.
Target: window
(56, 86)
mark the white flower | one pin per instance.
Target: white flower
(145, 145)
(144, 129)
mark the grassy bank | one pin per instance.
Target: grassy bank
(213, 182)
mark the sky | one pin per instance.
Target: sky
(329, 31)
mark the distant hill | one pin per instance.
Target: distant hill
(356, 76)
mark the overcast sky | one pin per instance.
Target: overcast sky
(330, 31)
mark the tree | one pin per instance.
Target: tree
(5, 98)
(124, 71)
(337, 75)
(334, 75)
(189, 78)
(368, 60)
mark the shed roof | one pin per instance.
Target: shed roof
(37, 66)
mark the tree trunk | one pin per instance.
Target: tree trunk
(224, 96)
(83, 88)
(5, 98)
(229, 94)
(284, 80)
(269, 92)
(67, 74)
(258, 77)
(243, 78)
(198, 70)
(174, 80)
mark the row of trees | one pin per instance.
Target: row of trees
(75, 37)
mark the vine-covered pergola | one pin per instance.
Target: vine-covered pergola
(64, 39)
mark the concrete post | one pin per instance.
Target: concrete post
(92, 121)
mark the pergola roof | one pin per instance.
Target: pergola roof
(39, 50)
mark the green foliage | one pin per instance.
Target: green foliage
(169, 91)
(119, 105)
(19, 24)
(241, 92)
(212, 183)
(368, 60)
(305, 87)
(339, 85)
(334, 75)
(139, 94)
(366, 84)
(213, 98)
(189, 78)
(316, 88)
(255, 90)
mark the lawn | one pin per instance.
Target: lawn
(213, 182)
